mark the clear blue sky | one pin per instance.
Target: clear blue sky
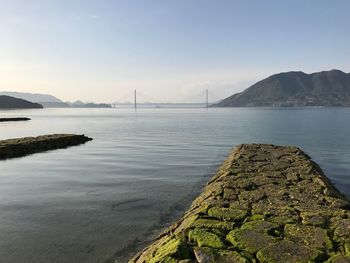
(101, 50)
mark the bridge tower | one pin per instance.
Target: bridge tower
(206, 98)
(135, 101)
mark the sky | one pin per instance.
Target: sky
(170, 51)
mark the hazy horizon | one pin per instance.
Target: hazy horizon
(170, 51)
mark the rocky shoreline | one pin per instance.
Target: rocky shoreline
(265, 204)
(19, 147)
(14, 119)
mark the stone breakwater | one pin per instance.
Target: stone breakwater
(14, 119)
(265, 204)
(23, 146)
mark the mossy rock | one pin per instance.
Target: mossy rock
(212, 223)
(227, 214)
(274, 207)
(261, 226)
(185, 223)
(338, 258)
(205, 238)
(287, 252)
(230, 194)
(313, 237)
(252, 196)
(313, 219)
(347, 248)
(209, 255)
(342, 231)
(173, 247)
(249, 240)
(281, 220)
(255, 217)
(241, 205)
(169, 260)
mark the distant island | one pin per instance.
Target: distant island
(80, 104)
(296, 88)
(7, 102)
(49, 101)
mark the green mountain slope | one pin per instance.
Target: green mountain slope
(326, 88)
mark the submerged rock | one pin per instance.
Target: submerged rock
(23, 146)
(265, 204)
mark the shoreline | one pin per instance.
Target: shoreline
(20, 147)
(263, 202)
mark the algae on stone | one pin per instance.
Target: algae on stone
(172, 247)
(207, 255)
(338, 258)
(212, 223)
(313, 237)
(287, 252)
(227, 214)
(205, 238)
(249, 240)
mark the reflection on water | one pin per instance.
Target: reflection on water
(85, 203)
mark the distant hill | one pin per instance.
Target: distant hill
(49, 101)
(7, 102)
(55, 104)
(80, 104)
(326, 88)
(33, 97)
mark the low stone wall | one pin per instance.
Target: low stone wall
(23, 146)
(265, 204)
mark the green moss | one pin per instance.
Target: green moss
(209, 255)
(347, 248)
(281, 220)
(342, 231)
(255, 217)
(313, 237)
(230, 194)
(338, 258)
(242, 205)
(170, 248)
(249, 240)
(309, 218)
(227, 214)
(252, 196)
(169, 260)
(287, 252)
(259, 226)
(212, 223)
(205, 238)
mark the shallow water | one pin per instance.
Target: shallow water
(85, 203)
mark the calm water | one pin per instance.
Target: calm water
(86, 203)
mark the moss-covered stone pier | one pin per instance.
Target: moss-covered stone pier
(265, 204)
(23, 146)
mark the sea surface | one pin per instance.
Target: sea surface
(140, 172)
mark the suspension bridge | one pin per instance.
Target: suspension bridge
(139, 99)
